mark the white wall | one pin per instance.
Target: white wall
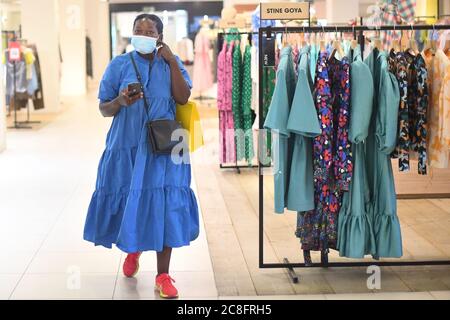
(40, 26)
(2, 112)
(97, 28)
(72, 35)
(341, 11)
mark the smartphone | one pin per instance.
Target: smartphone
(134, 89)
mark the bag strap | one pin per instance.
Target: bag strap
(138, 75)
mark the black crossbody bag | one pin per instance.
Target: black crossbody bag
(159, 131)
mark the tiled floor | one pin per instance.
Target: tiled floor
(230, 207)
(47, 179)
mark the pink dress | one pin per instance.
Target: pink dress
(202, 77)
(224, 104)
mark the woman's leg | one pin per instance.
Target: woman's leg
(163, 260)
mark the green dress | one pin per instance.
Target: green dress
(246, 101)
(236, 103)
(355, 228)
(268, 87)
(381, 141)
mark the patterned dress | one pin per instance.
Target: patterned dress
(317, 229)
(342, 153)
(332, 155)
(236, 102)
(398, 65)
(246, 102)
(417, 107)
(439, 109)
(269, 78)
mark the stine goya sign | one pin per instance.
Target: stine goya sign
(285, 11)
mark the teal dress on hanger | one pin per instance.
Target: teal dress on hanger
(277, 121)
(355, 228)
(304, 125)
(381, 141)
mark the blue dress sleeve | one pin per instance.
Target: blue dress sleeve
(278, 114)
(110, 83)
(184, 72)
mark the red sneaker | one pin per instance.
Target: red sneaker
(165, 286)
(131, 264)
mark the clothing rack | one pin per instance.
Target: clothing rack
(220, 37)
(268, 32)
(19, 124)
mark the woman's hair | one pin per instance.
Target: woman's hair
(152, 17)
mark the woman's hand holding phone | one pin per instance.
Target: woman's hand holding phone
(130, 95)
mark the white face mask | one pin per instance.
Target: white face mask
(143, 44)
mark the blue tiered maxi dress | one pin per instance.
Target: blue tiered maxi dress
(142, 201)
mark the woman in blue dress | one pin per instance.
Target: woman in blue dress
(142, 201)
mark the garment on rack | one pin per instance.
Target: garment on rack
(398, 65)
(394, 12)
(269, 78)
(339, 73)
(248, 115)
(33, 84)
(313, 60)
(255, 78)
(215, 51)
(221, 62)
(236, 102)
(332, 157)
(381, 141)
(277, 121)
(202, 76)
(418, 107)
(303, 124)
(186, 50)
(439, 109)
(17, 70)
(355, 226)
(224, 104)
(38, 97)
(317, 228)
(89, 59)
(29, 59)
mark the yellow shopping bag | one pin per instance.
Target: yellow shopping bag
(189, 118)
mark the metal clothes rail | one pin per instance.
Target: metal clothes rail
(220, 37)
(269, 32)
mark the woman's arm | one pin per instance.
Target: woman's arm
(111, 108)
(180, 89)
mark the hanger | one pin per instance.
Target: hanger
(431, 44)
(323, 46)
(377, 44)
(284, 39)
(396, 42)
(337, 47)
(413, 49)
(303, 42)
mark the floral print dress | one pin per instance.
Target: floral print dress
(332, 156)
(398, 66)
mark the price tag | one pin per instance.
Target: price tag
(269, 51)
(285, 11)
(14, 51)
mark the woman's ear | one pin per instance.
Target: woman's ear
(160, 38)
